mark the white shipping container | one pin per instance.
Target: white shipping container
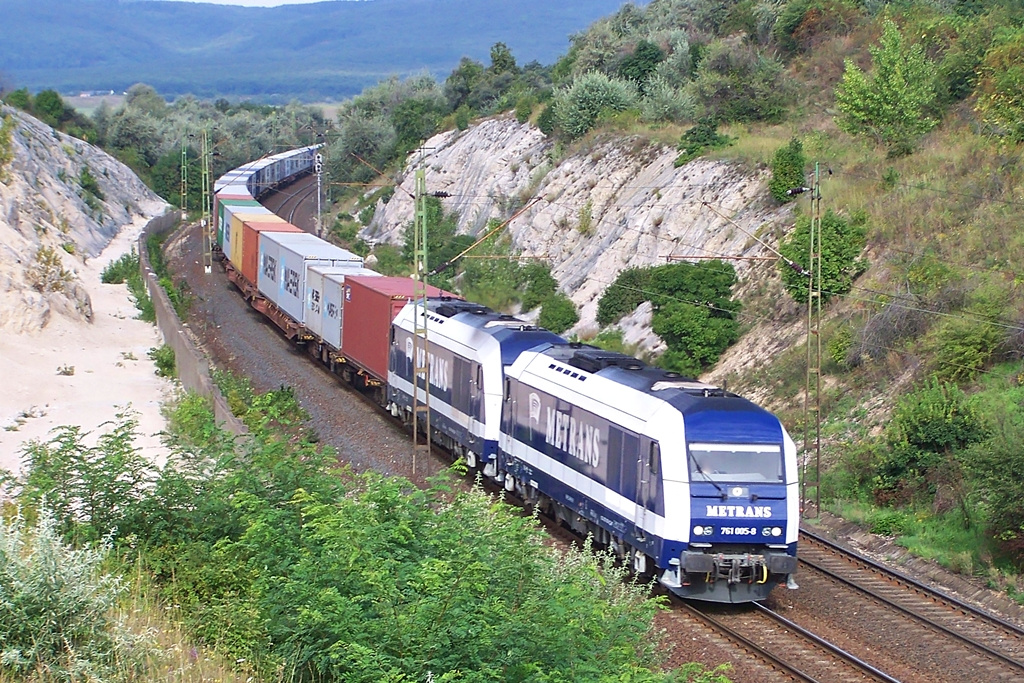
(334, 303)
(227, 211)
(284, 260)
(320, 316)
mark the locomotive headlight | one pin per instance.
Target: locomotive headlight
(776, 531)
(698, 531)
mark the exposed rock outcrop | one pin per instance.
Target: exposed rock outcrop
(61, 202)
(613, 205)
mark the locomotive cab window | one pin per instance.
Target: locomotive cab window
(736, 463)
(654, 457)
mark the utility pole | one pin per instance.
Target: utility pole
(812, 387)
(206, 224)
(184, 177)
(421, 363)
(318, 166)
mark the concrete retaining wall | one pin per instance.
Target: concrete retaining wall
(192, 365)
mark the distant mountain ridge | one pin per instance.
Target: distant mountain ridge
(312, 51)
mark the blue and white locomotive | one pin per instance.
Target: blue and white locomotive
(684, 480)
(689, 482)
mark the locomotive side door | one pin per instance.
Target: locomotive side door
(631, 453)
(648, 462)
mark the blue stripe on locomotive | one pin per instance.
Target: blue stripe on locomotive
(657, 547)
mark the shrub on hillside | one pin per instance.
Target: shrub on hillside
(841, 242)
(736, 82)
(695, 336)
(788, 166)
(803, 24)
(630, 289)
(56, 610)
(894, 104)
(579, 105)
(558, 313)
(928, 426)
(1002, 82)
(700, 138)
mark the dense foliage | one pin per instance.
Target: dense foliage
(694, 312)
(291, 565)
(895, 104)
(841, 241)
(56, 609)
(788, 171)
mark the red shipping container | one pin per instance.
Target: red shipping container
(371, 303)
(251, 246)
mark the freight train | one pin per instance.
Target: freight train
(687, 482)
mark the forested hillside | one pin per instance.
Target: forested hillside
(903, 118)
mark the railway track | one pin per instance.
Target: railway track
(784, 650)
(981, 646)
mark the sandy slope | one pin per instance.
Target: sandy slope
(112, 369)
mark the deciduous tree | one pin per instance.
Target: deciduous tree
(893, 104)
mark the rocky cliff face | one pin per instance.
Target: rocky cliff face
(620, 203)
(61, 201)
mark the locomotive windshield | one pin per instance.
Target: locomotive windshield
(735, 463)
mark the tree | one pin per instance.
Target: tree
(736, 82)
(19, 98)
(787, 170)
(502, 60)
(462, 81)
(49, 107)
(578, 106)
(558, 313)
(638, 66)
(695, 336)
(893, 104)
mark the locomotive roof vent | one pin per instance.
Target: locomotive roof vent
(512, 323)
(454, 307)
(688, 385)
(591, 359)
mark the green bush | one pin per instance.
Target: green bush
(695, 336)
(89, 184)
(56, 614)
(119, 271)
(630, 289)
(788, 166)
(737, 83)
(889, 523)
(927, 427)
(579, 105)
(540, 285)
(547, 120)
(524, 108)
(1001, 83)
(558, 313)
(700, 138)
(841, 240)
